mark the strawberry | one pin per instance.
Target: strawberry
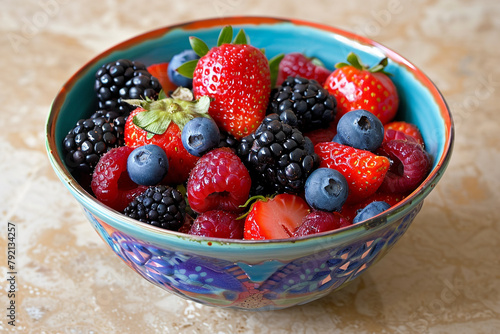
(236, 76)
(296, 64)
(363, 170)
(276, 218)
(355, 86)
(159, 71)
(160, 122)
(407, 128)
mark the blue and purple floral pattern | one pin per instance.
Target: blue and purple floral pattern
(272, 284)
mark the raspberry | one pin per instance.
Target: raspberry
(410, 164)
(218, 224)
(219, 181)
(110, 182)
(320, 221)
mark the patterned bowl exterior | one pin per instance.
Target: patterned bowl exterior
(255, 275)
(264, 285)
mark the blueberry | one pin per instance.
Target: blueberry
(177, 61)
(371, 210)
(326, 189)
(360, 129)
(147, 165)
(200, 135)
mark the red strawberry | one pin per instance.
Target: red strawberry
(160, 123)
(349, 211)
(296, 64)
(355, 86)
(219, 181)
(410, 164)
(363, 170)
(321, 221)
(218, 224)
(110, 182)
(407, 128)
(236, 77)
(276, 218)
(159, 71)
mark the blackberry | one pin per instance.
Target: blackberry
(124, 79)
(278, 157)
(91, 138)
(161, 206)
(312, 105)
(228, 140)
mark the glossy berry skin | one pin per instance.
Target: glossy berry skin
(160, 206)
(200, 135)
(326, 189)
(180, 162)
(410, 164)
(320, 221)
(176, 61)
(407, 128)
(363, 170)
(147, 165)
(237, 78)
(360, 129)
(218, 224)
(358, 88)
(371, 210)
(219, 181)
(296, 64)
(110, 182)
(276, 218)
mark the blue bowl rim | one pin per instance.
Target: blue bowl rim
(379, 221)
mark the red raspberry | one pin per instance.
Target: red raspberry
(391, 134)
(296, 64)
(218, 224)
(219, 181)
(110, 182)
(410, 164)
(321, 221)
(407, 128)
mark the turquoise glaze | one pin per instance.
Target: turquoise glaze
(257, 275)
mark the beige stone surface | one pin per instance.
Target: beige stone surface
(442, 277)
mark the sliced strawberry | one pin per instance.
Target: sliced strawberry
(276, 218)
(407, 128)
(159, 71)
(363, 170)
(296, 64)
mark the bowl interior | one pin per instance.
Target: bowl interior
(421, 102)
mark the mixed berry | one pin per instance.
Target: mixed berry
(224, 142)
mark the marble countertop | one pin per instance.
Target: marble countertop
(442, 277)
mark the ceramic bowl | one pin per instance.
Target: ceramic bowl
(255, 275)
